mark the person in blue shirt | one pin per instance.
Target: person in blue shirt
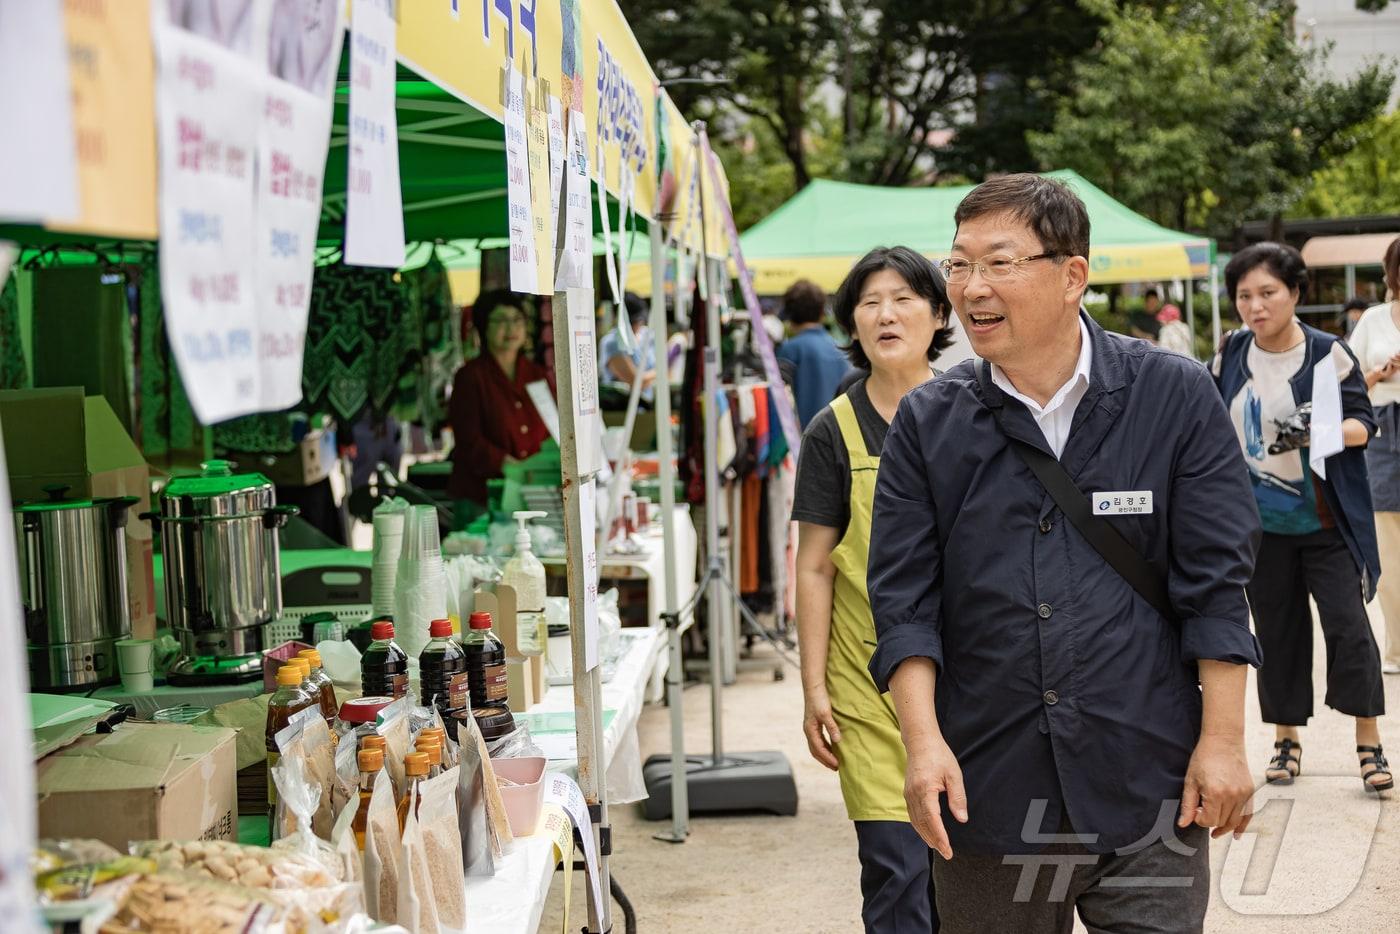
(1062, 733)
(817, 363)
(617, 367)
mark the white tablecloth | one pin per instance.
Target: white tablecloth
(511, 901)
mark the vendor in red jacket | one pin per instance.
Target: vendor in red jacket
(493, 420)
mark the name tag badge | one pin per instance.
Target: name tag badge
(1137, 503)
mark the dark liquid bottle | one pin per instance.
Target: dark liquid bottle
(486, 664)
(442, 670)
(384, 666)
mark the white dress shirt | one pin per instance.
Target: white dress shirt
(1057, 415)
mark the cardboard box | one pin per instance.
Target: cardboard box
(145, 781)
(58, 436)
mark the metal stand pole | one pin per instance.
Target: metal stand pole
(1215, 303)
(1191, 313)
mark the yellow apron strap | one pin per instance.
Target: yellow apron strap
(850, 426)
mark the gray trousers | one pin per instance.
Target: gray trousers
(1157, 890)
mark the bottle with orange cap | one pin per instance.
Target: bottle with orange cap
(415, 767)
(433, 747)
(371, 762)
(289, 699)
(325, 689)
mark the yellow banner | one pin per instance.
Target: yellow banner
(112, 69)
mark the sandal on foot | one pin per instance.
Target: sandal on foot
(1285, 761)
(1382, 767)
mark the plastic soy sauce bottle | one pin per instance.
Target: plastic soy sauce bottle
(486, 664)
(325, 689)
(442, 670)
(384, 667)
(289, 699)
(371, 761)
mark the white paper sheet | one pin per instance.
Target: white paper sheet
(1326, 431)
(582, 350)
(588, 526)
(557, 153)
(208, 108)
(524, 269)
(543, 399)
(564, 791)
(609, 260)
(38, 162)
(16, 771)
(576, 259)
(292, 142)
(374, 202)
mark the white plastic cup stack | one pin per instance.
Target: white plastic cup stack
(388, 542)
(421, 587)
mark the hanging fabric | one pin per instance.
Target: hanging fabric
(13, 372)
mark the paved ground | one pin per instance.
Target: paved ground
(1310, 860)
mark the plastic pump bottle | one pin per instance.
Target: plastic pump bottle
(525, 574)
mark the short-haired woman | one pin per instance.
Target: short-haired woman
(1319, 533)
(894, 306)
(1376, 343)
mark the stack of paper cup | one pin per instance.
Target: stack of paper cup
(135, 660)
(388, 542)
(420, 588)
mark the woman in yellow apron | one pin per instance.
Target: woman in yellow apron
(895, 308)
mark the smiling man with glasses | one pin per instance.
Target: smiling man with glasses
(1062, 533)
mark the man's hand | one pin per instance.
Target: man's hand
(820, 726)
(933, 769)
(1219, 788)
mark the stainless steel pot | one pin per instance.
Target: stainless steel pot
(72, 572)
(222, 570)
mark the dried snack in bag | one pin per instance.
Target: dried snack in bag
(382, 848)
(320, 769)
(479, 847)
(442, 846)
(170, 902)
(416, 909)
(394, 724)
(345, 785)
(240, 864)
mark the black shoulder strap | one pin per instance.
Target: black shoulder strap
(1107, 541)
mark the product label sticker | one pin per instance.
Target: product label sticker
(1135, 503)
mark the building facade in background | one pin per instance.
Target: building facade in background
(1356, 36)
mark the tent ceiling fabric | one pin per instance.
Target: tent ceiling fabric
(821, 231)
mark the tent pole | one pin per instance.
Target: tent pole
(666, 473)
(1215, 303)
(1191, 312)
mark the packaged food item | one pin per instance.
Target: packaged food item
(395, 727)
(359, 715)
(169, 902)
(415, 766)
(320, 769)
(347, 777)
(382, 852)
(479, 847)
(321, 682)
(415, 879)
(442, 846)
(253, 867)
(384, 666)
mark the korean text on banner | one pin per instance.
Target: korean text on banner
(783, 401)
(540, 191)
(557, 154)
(209, 98)
(524, 271)
(113, 73)
(304, 42)
(374, 205)
(17, 811)
(563, 791)
(576, 255)
(38, 166)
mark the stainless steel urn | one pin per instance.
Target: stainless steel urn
(223, 579)
(72, 573)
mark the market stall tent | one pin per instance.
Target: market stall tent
(821, 232)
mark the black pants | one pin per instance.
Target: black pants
(1289, 568)
(896, 882)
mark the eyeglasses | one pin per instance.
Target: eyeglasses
(505, 321)
(994, 266)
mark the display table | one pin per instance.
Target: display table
(649, 564)
(511, 901)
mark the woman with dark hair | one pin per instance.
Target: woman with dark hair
(1319, 533)
(494, 423)
(1376, 343)
(894, 306)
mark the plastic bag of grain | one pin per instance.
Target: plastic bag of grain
(382, 848)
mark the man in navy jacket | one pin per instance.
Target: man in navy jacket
(1082, 743)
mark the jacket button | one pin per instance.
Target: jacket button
(1051, 698)
(1046, 525)
(1044, 611)
(524, 429)
(519, 406)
